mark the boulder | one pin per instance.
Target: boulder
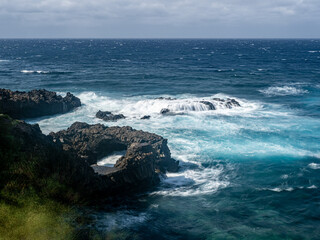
(35, 103)
(108, 116)
(146, 117)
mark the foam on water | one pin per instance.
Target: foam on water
(137, 107)
(314, 165)
(110, 160)
(34, 71)
(283, 91)
(119, 220)
(198, 136)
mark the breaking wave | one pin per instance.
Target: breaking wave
(283, 91)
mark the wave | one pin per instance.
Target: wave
(194, 179)
(289, 189)
(137, 107)
(314, 165)
(34, 71)
(43, 72)
(3, 60)
(110, 160)
(283, 91)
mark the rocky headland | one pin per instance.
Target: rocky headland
(68, 158)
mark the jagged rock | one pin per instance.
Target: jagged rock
(230, 103)
(35, 103)
(164, 111)
(92, 142)
(146, 117)
(108, 116)
(68, 162)
(209, 104)
(218, 99)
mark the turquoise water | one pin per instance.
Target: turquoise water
(249, 172)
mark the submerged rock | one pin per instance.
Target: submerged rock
(165, 98)
(209, 104)
(146, 117)
(35, 103)
(228, 103)
(232, 103)
(164, 111)
(108, 116)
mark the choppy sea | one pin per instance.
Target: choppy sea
(247, 172)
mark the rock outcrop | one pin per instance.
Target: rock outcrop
(108, 116)
(66, 158)
(92, 142)
(35, 103)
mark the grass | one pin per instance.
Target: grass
(34, 218)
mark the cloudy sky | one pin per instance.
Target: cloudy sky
(160, 18)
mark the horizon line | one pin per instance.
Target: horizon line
(160, 38)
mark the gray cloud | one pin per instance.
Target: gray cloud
(159, 18)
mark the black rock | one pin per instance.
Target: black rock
(230, 103)
(209, 104)
(164, 111)
(92, 142)
(146, 117)
(35, 103)
(108, 116)
(165, 98)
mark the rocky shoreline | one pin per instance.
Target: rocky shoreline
(70, 156)
(36, 103)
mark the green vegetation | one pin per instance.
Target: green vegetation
(29, 208)
(35, 218)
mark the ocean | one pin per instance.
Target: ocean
(247, 172)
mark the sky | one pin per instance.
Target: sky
(159, 18)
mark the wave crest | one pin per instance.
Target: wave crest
(283, 91)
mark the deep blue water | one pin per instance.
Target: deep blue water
(250, 172)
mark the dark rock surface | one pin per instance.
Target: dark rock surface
(66, 156)
(92, 142)
(232, 103)
(209, 104)
(165, 98)
(164, 111)
(108, 116)
(35, 103)
(146, 117)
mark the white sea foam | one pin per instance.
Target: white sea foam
(110, 160)
(3, 60)
(34, 71)
(193, 179)
(137, 107)
(119, 220)
(280, 189)
(314, 165)
(283, 91)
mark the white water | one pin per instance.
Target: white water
(110, 160)
(197, 135)
(283, 91)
